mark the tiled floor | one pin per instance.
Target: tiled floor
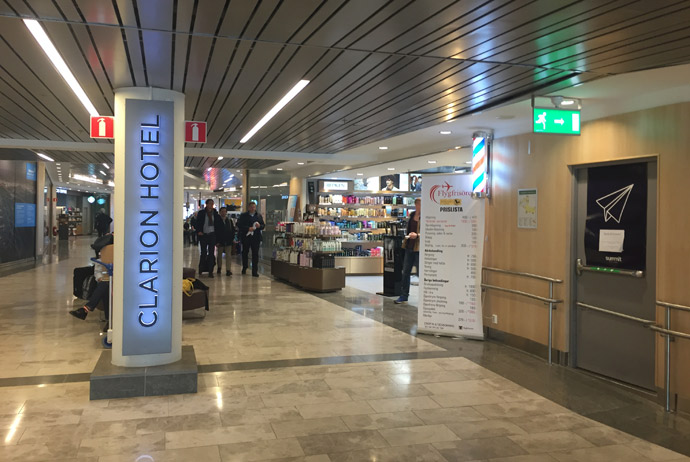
(448, 409)
(276, 395)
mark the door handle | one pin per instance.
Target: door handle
(580, 268)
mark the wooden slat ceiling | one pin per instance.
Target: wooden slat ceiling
(377, 68)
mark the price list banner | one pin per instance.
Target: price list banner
(451, 257)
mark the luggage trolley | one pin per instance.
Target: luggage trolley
(108, 339)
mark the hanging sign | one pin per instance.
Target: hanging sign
(451, 257)
(102, 127)
(616, 226)
(195, 132)
(558, 121)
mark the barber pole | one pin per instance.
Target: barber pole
(480, 163)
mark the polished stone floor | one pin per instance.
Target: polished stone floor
(292, 376)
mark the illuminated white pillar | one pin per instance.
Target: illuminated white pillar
(149, 186)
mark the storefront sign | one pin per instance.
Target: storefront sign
(451, 257)
(31, 171)
(335, 186)
(148, 244)
(559, 121)
(616, 226)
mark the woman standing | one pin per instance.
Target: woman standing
(411, 246)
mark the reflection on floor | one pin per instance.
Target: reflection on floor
(426, 410)
(374, 285)
(302, 377)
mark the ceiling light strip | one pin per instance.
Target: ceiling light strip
(55, 58)
(275, 109)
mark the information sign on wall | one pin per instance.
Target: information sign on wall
(558, 121)
(148, 246)
(24, 215)
(451, 257)
(527, 208)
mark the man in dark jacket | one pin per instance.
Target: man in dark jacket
(250, 225)
(225, 244)
(102, 223)
(209, 228)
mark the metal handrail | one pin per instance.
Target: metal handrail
(646, 322)
(551, 301)
(524, 294)
(673, 306)
(668, 333)
(520, 273)
(653, 326)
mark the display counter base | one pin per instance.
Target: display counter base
(109, 381)
(361, 266)
(313, 279)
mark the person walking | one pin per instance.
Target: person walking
(102, 222)
(226, 242)
(411, 246)
(250, 225)
(209, 227)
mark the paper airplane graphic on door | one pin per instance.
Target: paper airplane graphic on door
(614, 203)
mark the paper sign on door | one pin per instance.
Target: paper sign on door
(611, 240)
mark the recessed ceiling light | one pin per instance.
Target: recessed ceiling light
(279, 168)
(360, 174)
(220, 158)
(431, 161)
(49, 159)
(300, 163)
(54, 56)
(468, 162)
(391, 168)
(208, 169)
(106, 166)
(103, 173)
(299, 86)
(567, 102)
(383, 148)
(445, 132)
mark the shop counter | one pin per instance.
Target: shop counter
(313, 279)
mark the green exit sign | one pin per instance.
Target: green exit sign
(560, 121)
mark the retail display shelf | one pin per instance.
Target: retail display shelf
(361, 218)
(359, 206)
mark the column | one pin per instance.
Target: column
(298, 187)
(40, 208)
(245, 189)
(147, 279)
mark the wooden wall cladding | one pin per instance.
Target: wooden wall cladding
(543, 161)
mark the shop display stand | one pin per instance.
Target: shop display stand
(308, 277)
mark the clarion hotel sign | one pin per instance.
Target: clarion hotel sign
(148, 244)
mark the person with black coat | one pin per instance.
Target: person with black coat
(225, 244)
(250, 225)
(209, 228)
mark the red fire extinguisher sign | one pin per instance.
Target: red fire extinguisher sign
(194, 132)
(103, 127)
